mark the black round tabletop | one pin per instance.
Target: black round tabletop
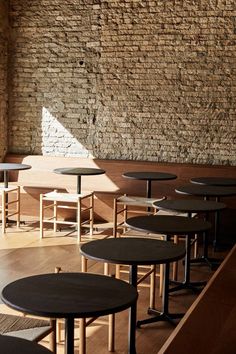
(214, 181)
(189, 205)
(14, 345)
(13, 166)
(204, 190)
(69, 295)
(168, 225)
(133, 251)
(79, 171)
(149, 175)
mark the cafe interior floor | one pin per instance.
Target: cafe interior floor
(23, 253)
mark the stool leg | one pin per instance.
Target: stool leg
(195, 248)
(161, 279)
(175, 264)
(82, 331)
(118, 271)
(79, 209)
(91, 214)
(111, 321)
(41, 217)
(18, 207)
(54, 216)
(84, 264)
(52, 337)
(115, 218)
(152, 287)
(4, 214)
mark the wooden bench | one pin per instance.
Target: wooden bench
(209, 324)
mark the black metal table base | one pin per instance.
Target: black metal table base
(194, 286)
(160, 316)
(212, 263)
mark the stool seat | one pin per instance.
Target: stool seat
(136, 201)
(65, 197)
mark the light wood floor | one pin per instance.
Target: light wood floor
(22, 253)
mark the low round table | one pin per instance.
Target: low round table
(138, 251)
(14, 345)
(69, 296)
(6, 167)
(79, 171)
(214, 181)
(149, 177)
(194, 206)
(207, 192)
(170, 226)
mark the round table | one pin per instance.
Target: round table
(14, 345)
(69, 296)
(149, 176)
(170, 226)
(6, 167)
(194, 206)
(207, 192)
(79, 171)
(135, 251)
(214, 181)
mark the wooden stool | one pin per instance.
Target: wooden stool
(6, 209)
(68, 198)
(85, 322)
(122, 206)
(28, 328)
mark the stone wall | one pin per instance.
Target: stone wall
(124, 79)
(3, 77)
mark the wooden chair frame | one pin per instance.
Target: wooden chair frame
(6, 205)
(57, 200)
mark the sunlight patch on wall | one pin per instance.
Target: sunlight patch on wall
(57, 140)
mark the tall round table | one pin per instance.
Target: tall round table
(208, 191)
(138, 251)
(69, 296)
(214, 181)
(14, 345)
(6, 167)
(149, 176)
(194, 206)
(170, 226)
(79, 171)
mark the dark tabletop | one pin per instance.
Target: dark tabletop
(133, 251)
(148, 175)
(189, 205)
(168, 225)
(214, 181)
(204, 190)
(14, 345)
(69, 295)
(79, 171)
(13, 166)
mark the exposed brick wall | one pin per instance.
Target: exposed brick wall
(124, 79)
(3, 77)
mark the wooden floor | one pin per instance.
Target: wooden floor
(22, 253)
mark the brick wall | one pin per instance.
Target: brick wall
(3, 77)
(124, 79)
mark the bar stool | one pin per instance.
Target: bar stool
(7, 204)
(64, 201)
